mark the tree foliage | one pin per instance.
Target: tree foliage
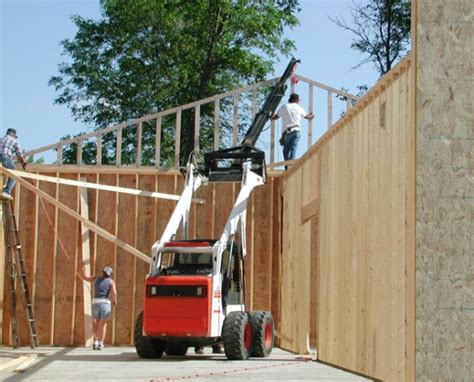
(143, 56)
(382, 31)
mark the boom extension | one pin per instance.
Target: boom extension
(269, 107)
(226, 165)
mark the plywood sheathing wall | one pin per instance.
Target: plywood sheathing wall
(57, 293)
(445, 191)
(345, 258)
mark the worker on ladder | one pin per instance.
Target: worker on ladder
(10, 146)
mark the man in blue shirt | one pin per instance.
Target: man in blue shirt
(9, 146)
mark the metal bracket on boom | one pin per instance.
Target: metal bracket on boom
(227, 165)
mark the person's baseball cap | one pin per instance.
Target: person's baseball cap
(108, 271)
(11, 131)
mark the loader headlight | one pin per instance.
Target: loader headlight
(151, 290)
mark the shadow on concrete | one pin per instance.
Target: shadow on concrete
(44, 360)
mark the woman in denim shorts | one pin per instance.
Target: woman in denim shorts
(105, 294)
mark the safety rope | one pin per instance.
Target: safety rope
(227, 372)
(56, 234)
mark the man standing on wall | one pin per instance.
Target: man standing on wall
(291, 115)
(9, 146)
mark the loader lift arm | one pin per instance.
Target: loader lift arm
(226, 164)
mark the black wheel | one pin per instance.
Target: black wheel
(237, 336)
(262, 333)
(146, 347)
(176, 348)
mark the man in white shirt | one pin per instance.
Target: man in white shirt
(291, 115)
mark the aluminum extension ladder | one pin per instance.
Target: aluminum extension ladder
(16, 270)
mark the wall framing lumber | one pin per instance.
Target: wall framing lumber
(77, 264)
(145, 235)
(54, 259)
(345, 251)
(33, 204)
(123, 190)
(124, 269)
(13, 363)
(86, 261)
(44, 271)
(137, 222)
(111, 258)
(310, 210)
(103, 233)
(132, 314)
(65, 265)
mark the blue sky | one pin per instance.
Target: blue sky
(31, 30)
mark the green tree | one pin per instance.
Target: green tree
(143, 56)
(382, 31)
(31, 160)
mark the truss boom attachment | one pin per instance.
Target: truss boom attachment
(227, 165)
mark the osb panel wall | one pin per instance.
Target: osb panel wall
(346, 230)
(445, 191)
(53, 258)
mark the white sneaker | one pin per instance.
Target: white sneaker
(6, 195)
(100, 346)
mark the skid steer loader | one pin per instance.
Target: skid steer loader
(195, 290)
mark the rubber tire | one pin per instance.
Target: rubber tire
(234, 336)
(146, 347)
(263, 333)
(176, 348)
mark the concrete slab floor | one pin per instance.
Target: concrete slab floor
(123, 364)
